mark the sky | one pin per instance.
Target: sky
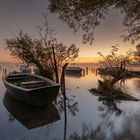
(16, 15)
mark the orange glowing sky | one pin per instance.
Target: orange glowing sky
(26, 15)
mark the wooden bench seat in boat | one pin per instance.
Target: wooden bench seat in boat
(34, 84)
(15, 76)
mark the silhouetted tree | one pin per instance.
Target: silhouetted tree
(58, 52)
(30, 51)
(46, 53)
(114, 60)
(87, 15)
(113, 70)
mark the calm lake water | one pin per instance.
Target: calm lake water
(88, 117)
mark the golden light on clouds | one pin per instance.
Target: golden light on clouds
(5, 57)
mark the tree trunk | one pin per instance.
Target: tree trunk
(55, 66)
(56, 75)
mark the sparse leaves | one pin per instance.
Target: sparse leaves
(113, 59)
(87, 15)
(58, 52)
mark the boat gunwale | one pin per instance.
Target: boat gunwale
(53, 84)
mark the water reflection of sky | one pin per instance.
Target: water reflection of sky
(132, 86)
(88, 116)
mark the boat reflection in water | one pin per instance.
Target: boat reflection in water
(30, 116)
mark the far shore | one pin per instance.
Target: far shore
(133, 67)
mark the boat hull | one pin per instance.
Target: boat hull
(36, 97)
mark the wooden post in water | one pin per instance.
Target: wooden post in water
(4, 72)
(83, 72)
(63, 90)
(86, 70)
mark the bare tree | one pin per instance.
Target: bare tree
(113, 70)
(47, 53)
(115, 60)
(58, 52)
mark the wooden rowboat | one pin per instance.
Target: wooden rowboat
(33, 89)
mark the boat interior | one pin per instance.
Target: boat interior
(26, 81)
